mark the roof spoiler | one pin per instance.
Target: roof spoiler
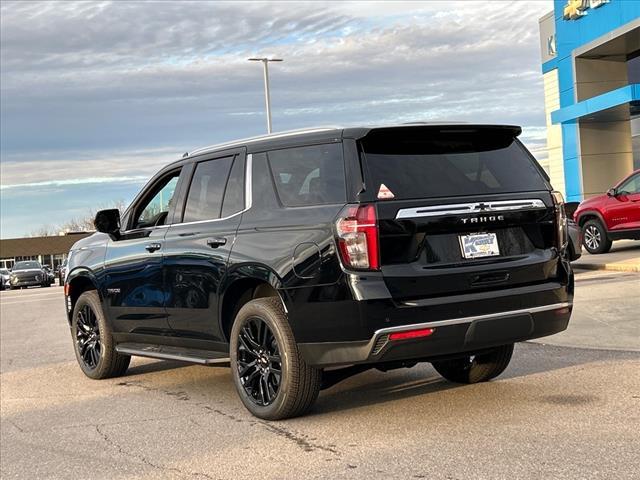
(511, 130)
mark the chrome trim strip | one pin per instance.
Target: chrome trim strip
(248, 183)
(471, 208)
(457, 321)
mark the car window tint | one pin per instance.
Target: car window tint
(204, 201)
(438, 164)
(309, 175)
(234, 193)
(155, 211)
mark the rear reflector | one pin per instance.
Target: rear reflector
(67, 289)
(425, 332)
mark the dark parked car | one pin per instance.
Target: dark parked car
(4, 278)
(62, 272)
(574, 248)
(51, 276)
(28, 274)
(611, 216)
(305, 257)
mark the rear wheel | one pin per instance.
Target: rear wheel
(93, 340)
(271, 377)
(594, 237)
(476, 368)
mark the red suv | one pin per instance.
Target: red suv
(611, 216)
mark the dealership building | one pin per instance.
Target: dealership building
(591, 68)
(49, 250)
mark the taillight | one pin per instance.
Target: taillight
(561, 220)
(357, 236)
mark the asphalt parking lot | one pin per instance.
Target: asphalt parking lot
(557, 412)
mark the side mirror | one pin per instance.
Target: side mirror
(611, 192)
(108, 221)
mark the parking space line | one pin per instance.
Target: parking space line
(27, 295)
(22, 302)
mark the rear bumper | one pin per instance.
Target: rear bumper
(451, 336)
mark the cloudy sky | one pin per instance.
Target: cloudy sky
(97, 96)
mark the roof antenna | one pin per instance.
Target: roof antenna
(185, 155)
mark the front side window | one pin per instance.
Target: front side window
(204, 201)
(631, 186)
(309, 175)
(154, 211)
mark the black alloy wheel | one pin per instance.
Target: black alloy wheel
(272, 379)
(88, 337)
(93, 341)
(258, 362)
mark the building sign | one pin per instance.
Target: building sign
(552, 51)
(574, 9)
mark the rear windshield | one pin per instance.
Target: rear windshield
(434, 163)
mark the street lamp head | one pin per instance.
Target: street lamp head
(265, 59)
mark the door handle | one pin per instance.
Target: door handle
(216, 242)
(152, 247)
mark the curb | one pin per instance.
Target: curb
(613, 267)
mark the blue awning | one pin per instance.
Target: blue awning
(615, 98)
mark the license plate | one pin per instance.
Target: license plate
(478, 245)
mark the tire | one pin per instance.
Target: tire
(87, 312)
(299, 384)
(594, 237)
(479, 368)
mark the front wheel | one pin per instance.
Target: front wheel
(594, 237)
(476, 368)
(93, 341)
(270, 376)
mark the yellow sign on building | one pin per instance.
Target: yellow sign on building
(574, 9)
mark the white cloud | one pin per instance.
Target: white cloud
(115, 90)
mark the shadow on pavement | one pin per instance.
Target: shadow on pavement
(372, 387)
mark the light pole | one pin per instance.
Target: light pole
(267, 96)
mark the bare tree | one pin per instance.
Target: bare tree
(44, 231)
(76, 224)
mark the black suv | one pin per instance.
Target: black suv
(304, 257)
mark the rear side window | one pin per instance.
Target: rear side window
(309, 175)
(434, 163)
(234, 193)
(204, 201)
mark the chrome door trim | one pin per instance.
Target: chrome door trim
(248, 199)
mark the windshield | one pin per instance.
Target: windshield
(449, 163)
(26, 266)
